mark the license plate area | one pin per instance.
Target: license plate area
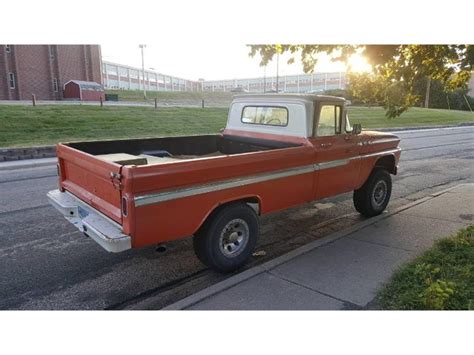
(83, 213)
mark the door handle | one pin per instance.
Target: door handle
(325, 145)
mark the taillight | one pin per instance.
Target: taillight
(124, 206)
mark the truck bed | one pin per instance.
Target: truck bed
(152, 151)
(97, 172)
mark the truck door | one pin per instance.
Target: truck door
(337, 152)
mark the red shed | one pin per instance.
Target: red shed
(83, 90)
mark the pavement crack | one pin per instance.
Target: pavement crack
(28, 178)
(437, 219)
(437, 146)
(407, 196)
(379, 244)
(435, 135)
(6, 213)
(157, 290)
(345, 302)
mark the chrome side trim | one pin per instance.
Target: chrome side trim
(218, 186)
(232, 183)
(390, 151)
(332, 164)
(384, 140)
(377, 141)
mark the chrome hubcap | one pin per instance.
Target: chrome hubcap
(379, 193)
(234, 237)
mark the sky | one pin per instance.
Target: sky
(210, 61)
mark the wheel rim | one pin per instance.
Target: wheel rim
(379, 193)
(234, 237)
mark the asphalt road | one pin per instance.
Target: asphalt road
(47, 264)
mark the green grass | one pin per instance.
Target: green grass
(42, 125)
(135, 95)
(374, 117)
(441, 278)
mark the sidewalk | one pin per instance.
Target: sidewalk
(343, 270)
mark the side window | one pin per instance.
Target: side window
(329, 120)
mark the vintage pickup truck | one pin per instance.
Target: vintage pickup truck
(277, 151)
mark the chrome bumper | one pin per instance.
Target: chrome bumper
(104, 231)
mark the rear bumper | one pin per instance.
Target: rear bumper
(104, 231)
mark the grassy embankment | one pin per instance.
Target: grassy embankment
(137, 96)
(41, 125)
(441, 278)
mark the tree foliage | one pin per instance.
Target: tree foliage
(396, 68)
(445, 99)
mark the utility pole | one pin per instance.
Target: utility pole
(143, 46)
(427, 93)
(264, 79)
(278, 65)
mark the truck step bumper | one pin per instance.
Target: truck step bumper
(104, 231)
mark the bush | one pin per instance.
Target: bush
(442, 278)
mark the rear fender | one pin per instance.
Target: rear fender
(252, 200)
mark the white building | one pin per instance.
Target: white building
(118, 76)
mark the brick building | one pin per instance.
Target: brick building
(44, 69)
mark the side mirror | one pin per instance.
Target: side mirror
(356, 128)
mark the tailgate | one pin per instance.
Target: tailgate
(90, 179)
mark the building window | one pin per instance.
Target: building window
(51, 52)
(11, 80)
(55, 85)
(8, 48)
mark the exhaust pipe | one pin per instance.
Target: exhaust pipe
(161, 248)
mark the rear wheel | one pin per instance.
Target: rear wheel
(227, 239)
(372, 198)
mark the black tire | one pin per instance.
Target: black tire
(227, 239)
(372, 198)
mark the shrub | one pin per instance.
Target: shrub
(442, 278)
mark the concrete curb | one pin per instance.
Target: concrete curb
(15, 154)
(400, 129)
(259, 269)
(28, 163)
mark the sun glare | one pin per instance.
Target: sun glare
(358, 64)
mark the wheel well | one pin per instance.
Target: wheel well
(252, 201)
(387, 162)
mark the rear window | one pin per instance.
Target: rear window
(265, 115)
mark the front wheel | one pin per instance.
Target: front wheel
(227, 239)
(372, 198)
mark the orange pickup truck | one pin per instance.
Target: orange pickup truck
(277, 151)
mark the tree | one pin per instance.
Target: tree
(366, 88)
(396, 68)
